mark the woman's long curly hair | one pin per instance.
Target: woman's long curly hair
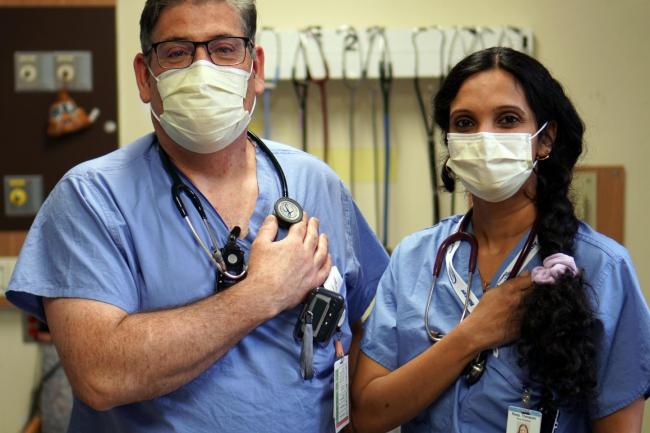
(558, 340)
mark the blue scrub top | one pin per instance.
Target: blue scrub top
(394, 333)
(109, 231)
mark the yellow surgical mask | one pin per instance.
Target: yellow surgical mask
(203, 105)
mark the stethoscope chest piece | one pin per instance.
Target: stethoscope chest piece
(475, 369)
(288, 211)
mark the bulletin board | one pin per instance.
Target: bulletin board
(599, 196)
(26, 149)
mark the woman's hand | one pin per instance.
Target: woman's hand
(497, 318)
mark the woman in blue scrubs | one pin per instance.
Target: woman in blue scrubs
(565, 348)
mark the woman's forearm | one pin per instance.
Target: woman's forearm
(386, 401)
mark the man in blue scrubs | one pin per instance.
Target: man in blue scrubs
(129, 293)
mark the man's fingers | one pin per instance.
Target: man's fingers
(268, 230)
(299, 229)
(324, 270)
(322, 251)
(311, 237)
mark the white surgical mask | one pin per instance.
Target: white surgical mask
(203, 105)
(492, 166)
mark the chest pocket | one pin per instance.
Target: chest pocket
(484, 406)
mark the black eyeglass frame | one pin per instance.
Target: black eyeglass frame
(248, 45)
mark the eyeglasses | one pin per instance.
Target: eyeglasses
(224, 51)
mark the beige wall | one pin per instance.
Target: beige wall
(19, 372)
(596, 48)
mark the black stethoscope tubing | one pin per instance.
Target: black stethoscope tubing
(301, 86)
(179, 187)
(429, 124)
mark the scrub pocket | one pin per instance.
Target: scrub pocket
(485, 404)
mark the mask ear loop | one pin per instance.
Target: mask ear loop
(545, 157)
(539, 130)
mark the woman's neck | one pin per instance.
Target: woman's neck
(498, 225)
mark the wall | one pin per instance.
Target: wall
(19, 372)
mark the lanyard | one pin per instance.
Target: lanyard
(460, 286)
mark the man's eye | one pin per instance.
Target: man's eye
(176, 51)
(224, 49)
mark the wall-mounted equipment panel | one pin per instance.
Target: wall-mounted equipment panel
(58, 93)
(431, 51)
(49, 71)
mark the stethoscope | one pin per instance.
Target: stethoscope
(351, 45)
(229, 260)
(301, 85)
(475, 369)
(429, 124)
(272, 83)
(377, 35)
(315, 34)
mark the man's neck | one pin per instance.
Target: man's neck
(230, 164)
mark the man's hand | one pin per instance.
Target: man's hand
(285, 271)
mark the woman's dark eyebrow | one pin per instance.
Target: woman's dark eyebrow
(510, 107)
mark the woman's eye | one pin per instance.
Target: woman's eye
(463, 123)
(508, 120)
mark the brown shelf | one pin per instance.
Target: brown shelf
(4, 304)
(49, 3)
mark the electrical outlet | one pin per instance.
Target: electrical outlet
(73, 70)
(33, 71)
(49, 71)
(23, 195)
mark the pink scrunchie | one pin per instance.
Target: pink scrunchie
(553, 266)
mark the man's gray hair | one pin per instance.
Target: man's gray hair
(153, 8)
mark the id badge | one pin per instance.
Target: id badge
(341, 394)
(334, 282)
(522, 420)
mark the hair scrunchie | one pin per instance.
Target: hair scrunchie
(552, 267)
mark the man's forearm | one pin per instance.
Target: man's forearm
(113, 360)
